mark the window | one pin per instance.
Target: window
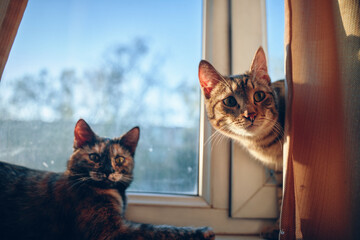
(117, 65)
(211, 167)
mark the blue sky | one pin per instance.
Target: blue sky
(84, 29)
(79, 34)
(275, 32)
(76, 33)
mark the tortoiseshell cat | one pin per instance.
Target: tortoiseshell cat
(87, 201)
(249, 109)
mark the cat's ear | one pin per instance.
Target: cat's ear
(83, 134)
(259, 65)
(208, 77)
(130, 139)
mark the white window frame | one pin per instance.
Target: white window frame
(258, 199)
(211, 207)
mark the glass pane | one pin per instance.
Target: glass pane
(117, 64)
(275, 36)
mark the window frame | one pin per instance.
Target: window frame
(248, 200)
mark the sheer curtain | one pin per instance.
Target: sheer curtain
(11, 12)
(321, 199)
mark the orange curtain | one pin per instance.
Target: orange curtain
(322, 180)
(11, 12)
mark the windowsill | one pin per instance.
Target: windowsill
(180, 210)
(219, 237)
(166, 205)
(146, 199)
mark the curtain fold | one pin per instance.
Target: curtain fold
(11, 13)
(321, 194)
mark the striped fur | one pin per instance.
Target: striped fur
(257, 125)
(88, 201)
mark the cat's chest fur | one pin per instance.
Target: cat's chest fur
(268, 151)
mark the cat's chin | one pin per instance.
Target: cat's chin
(104, 184)
(100, 179)
(115, 177)
(249, 131)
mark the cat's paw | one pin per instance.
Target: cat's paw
(206, 233)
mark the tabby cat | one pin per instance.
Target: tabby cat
(87, 201)
(249, 109)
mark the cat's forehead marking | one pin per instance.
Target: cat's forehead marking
(116, 149)
(233, 86)
(100, 147)
(240, 84)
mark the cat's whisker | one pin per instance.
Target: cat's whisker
(217, 131)
(222, 136)
(219, 139)
(78, 175)
(277, 129)
(125, 180)
(213, 135)
(79, 182)
(279, 133)
(215, 141)
(75, 184)
(280, 141)
(276, 125)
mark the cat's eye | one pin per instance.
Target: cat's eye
(230, 101)
(119, 160)
(259, 96)
(94, 157)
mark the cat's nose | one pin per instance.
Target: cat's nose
(250, 116)
(108, 170)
